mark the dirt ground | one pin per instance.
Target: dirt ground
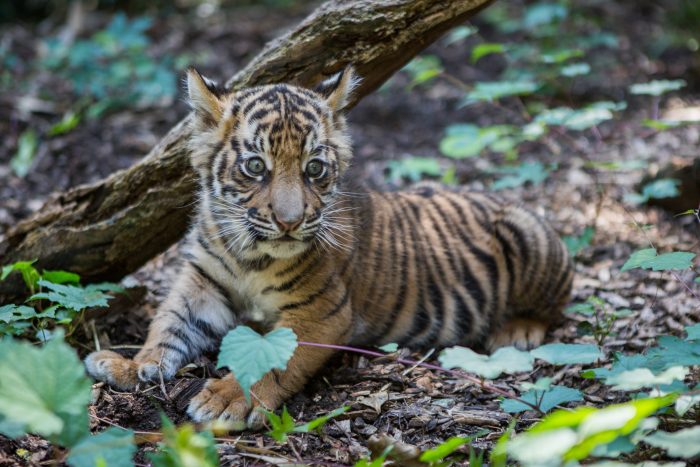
(417, 406)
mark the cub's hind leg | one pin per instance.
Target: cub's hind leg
(191, 320)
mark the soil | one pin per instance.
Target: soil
(417, 406)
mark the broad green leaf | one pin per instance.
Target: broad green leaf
(542, 449)
(42, 388)
(567, 354)
(114, 446)
(73, 297)
(643, 378)
(11, 313)
(443, 449)
(621, 364)
(579, 119)
(657, 87)
(546, 400)
(60, 277)
(658, 189)
(185, 447)
(686, 402)
(527, 172)
(693, 332)
(504, 360)
(576, 243)
(485, 49)
(27, 145)
(648, 259)
(11, 429)
(391, 347)
(671, 352)
(683, 443)
(250, 356)
(638, 258)
(575, 69)
(494, 90)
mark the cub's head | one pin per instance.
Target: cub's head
(269, 159)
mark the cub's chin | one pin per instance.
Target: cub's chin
(282, 249)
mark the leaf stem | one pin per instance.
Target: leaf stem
(406, 361)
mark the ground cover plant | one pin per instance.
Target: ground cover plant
(569, 107)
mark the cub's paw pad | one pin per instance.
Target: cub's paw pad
(220, 399)
(523, 334)
(112, 368)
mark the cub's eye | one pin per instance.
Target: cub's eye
(255, 166)
(315, 168)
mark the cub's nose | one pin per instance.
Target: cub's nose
(287, 223)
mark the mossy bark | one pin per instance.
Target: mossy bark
(108, 229)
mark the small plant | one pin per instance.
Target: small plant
(600, 318)
(184, 447)
(55, 298)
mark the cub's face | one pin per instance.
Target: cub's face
(270, 158)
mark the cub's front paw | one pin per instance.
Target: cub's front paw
(113, 369)
(123, 373)
(223, 399)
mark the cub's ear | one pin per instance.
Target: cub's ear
(204, 97)
(338, 88)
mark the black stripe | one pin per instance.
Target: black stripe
(310, 299)
(183, 337)
(219, 288)
(339, 306)
(176, 349)
(304, 274)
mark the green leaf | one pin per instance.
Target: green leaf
(60, 277)
(648, 259)
(114, 446)
(461, 141)
(693, 332)
(638, 258)
(443, 449)
(570, 435)
(575, 69)
(576, 243)
(460, 33)
(184, 447)
(580, 119)
(639, 378)
(485, 49)
(11, 429)
(504, 360)
(391, 347)
(527, 172)
(27, 145)
(29, 273)
(69, 296)
(657, 87)
(544, 13)
(318, 422)
(11, 313)
(658, 189)
(568, 354)
(69, 121)
(560, 56)
(42, 388)
(494, 90)
(250, 356)
(683, 443)
(413, 168)
(546, 400)
(281, 425)
(423, 69)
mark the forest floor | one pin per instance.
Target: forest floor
(418, 406)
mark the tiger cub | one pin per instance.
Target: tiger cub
(276, 242)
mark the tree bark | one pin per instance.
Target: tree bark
(108, 229)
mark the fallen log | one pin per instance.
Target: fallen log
(108, 229)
